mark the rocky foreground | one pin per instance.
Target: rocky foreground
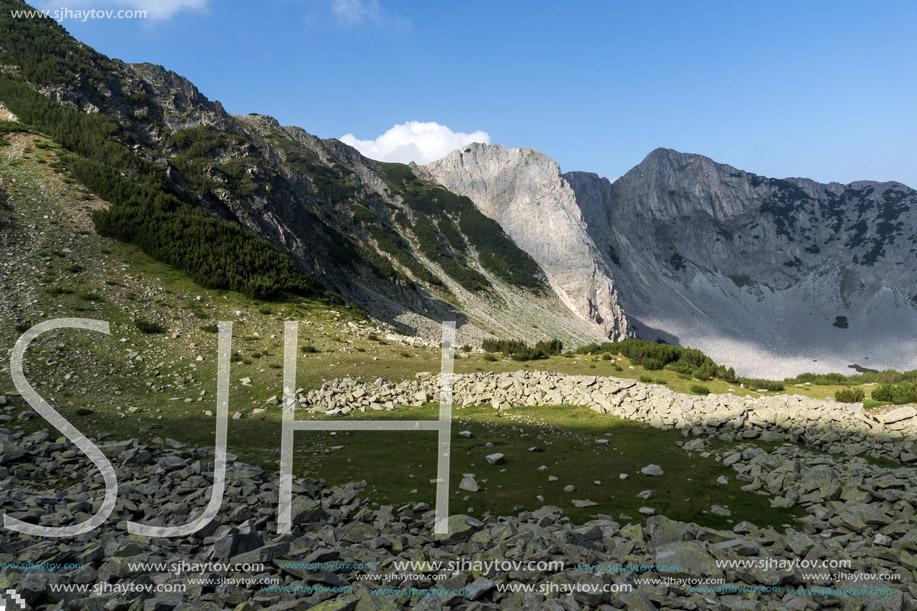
(833, 427)
(856, 547)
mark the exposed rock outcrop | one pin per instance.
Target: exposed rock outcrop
(766, 275)
(523, 190)
(771, 276)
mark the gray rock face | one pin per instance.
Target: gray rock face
(685, 249)
(523, 190)
(756, 271)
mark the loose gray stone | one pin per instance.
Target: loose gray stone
(469, 483)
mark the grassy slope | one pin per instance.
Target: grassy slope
(126, 382)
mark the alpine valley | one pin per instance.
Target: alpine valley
(770, 276)
(669, 391)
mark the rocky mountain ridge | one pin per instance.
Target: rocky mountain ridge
(772, 276)
(405, 250)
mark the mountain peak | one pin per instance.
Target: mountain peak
(661, 153)
(670, 157)
(523, 190)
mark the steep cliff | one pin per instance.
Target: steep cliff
(771, 275)
(523, 190)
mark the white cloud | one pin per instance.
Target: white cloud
(156, 9)
(415, 141)
(352, 12)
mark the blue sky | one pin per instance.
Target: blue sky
(826, 90)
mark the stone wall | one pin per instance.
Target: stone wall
(826, 425)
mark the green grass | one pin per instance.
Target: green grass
(567, 437)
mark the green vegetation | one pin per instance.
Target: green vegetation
(380, 266)
(59, 290)
(390, 242)
(149, 327)
(520, 351)
(455, 266)
(506, 346)
(496, 251)
(654, 356)
(43, 51)
(334, 182)
(699, 389)
(686, 489)
(850, 395)
(362, 214)
(904, 392)
(757, 383)
(302, 161)
(216, 253)
(147, 212)
(202, 141)
(864, 376)
(449, 231)
(3, 199)
(742, 280)
(401, 219)
(818, 378)
(195, 148)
